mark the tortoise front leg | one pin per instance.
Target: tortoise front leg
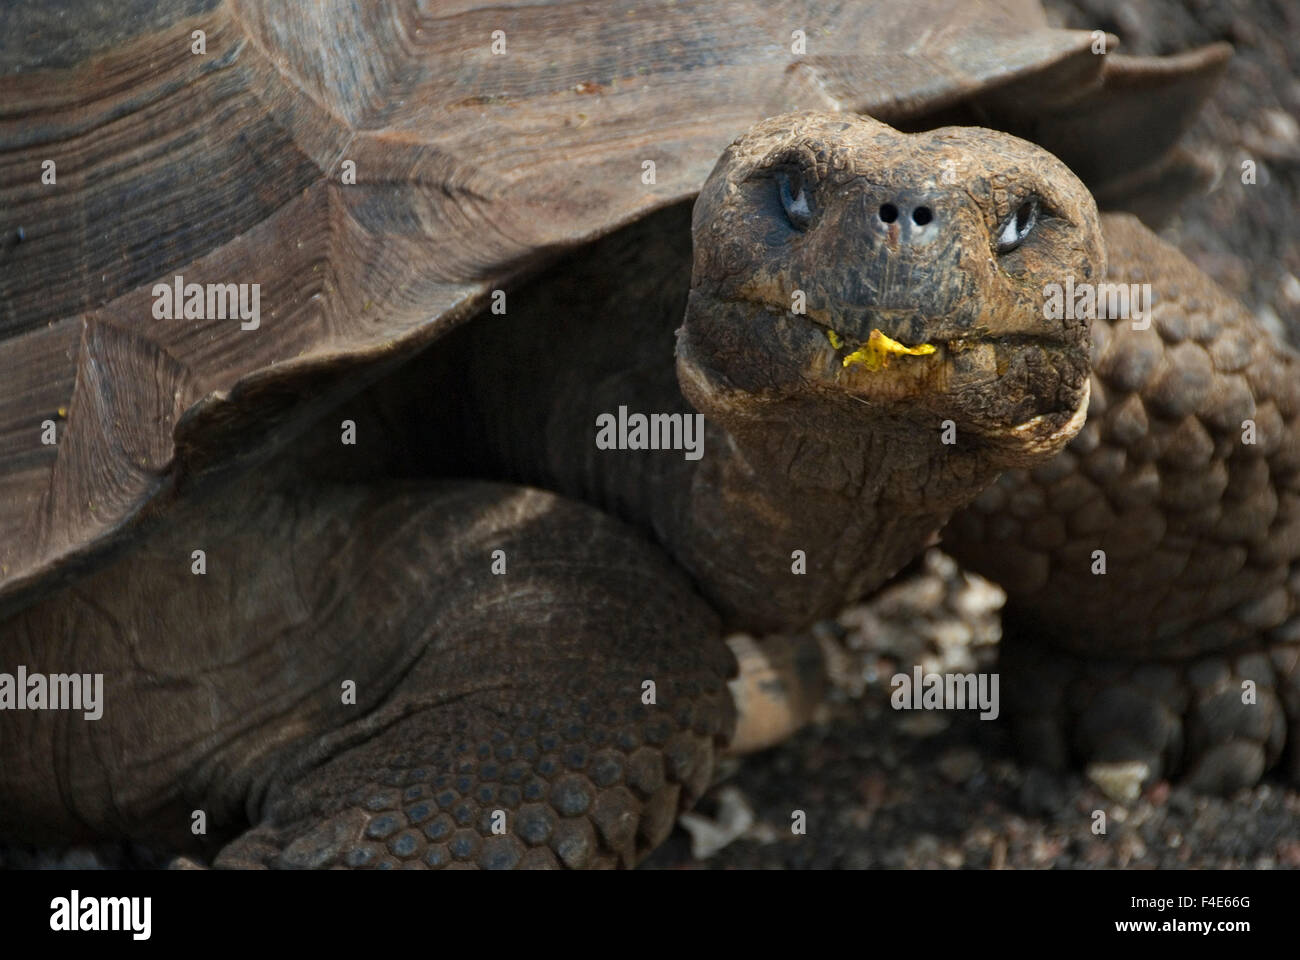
(563, 709)
(1153, 568)
(1183, 718)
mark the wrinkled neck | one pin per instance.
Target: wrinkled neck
(779, 527)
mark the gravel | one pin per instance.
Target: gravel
(880, 787)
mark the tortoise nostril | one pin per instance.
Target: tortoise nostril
(921, 216)
(888, 212)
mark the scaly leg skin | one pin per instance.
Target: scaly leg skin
(1185, 482)
(521, 737)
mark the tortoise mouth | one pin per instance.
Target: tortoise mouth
(757, 353)
(881, 350)
(998, 379)
(912, 332)
(908, 329)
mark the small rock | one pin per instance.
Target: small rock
(762, 832)
(1289, 853)
(1158, 795)
(734, 818)
(940, 564)
(998, 858)
(1121, 782)
(910, 597)
(950, 633)
(1290, 288)
(978, 597)
(1280, 134)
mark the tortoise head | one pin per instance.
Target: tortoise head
(849, 278)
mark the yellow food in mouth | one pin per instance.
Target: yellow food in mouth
(875, 353)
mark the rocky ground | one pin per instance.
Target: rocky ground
(886, 788)
(883, 788)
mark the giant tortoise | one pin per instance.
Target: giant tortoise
(401, 399)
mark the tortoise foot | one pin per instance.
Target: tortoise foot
(562, 715)
(1216, 722)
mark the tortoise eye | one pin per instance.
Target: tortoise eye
(794, 197)
(1016, 227)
